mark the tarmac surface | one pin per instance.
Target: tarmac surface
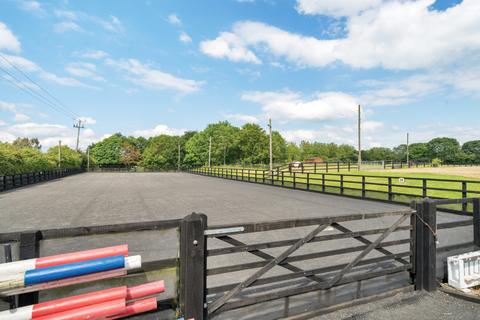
(108, 198)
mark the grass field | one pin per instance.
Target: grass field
(401, 185)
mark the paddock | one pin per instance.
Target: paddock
(92, 199)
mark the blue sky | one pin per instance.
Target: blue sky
(152, 67)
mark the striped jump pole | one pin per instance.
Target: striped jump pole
(42, 275)
(71, 257)
(93, 298)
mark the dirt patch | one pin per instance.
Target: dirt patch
(471, 172)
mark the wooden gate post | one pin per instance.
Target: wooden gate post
(476, 222)
(29, 249)
(425, 246)
(193, 259)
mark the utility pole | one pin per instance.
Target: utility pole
(79, 125)
(178, 167)
(224, 155)
(408, 151)
(88, 159)
(359, 138)
(270, 142)
(59, 153)
(210, 152)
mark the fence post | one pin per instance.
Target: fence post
(314, 167)
(256, 175)
(338, 166)
(326, 166)
(424, 188)
(349, 166)
(308, 181)
(425, 246)
(390, 195)
(464, 195)
(29, 249)
(363, 187)
(341, 184)
(193, 246)
(323, 182)
(294, 181)
(476, 222)
(283, 181)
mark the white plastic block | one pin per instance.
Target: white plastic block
(464, 270)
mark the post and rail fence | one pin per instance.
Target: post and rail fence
(318, 254)
(13, 181)
(400, 190)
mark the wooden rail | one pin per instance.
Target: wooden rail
(373, 187)
(9, 182)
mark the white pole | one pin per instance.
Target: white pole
(270, 152)
(210, 152)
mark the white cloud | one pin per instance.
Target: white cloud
(48, 134)
(152, 78)
(287, 105)
(338, 8)
(158, 130)
(8, 41)
(372, 126)
(87, 120)
(113, 24)
(64, 81)
(395, 35)
(174, 20)
(229, 46)
(185, 38)
(94, 54)
(66, 14)
(20, 117)
(8, 106)
(32, 6)
(67, 26)
(2, 123)
(84, 70)
(244, 118)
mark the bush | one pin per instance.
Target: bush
(436, 162)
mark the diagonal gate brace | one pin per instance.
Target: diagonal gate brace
(221, 301)
(367, 242)
(267, 256)
(367, 250)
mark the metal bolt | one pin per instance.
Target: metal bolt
(195, 242)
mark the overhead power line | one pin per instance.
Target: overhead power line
(52, 102)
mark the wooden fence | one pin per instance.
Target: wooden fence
(373, 187)
(412, 254)
(348, 249)
(23, 179)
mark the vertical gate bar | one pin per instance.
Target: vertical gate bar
(29, 249)
(476, 222)
(193, 248)
(413, 230)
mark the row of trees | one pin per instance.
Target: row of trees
(244, 145)
(25, 155)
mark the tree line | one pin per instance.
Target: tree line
(24, 155)
(246, 145)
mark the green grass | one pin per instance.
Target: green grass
(376, 184)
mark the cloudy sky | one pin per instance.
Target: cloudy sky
(152, 67)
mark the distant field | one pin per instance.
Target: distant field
(459, 172)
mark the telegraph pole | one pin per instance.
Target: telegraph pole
(210, 152)
(79, 125)
(59, 153)
(270, 142)
(88, 159)
(359, 138)
(408, 151)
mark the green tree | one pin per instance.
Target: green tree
(279, 148)
(224, 145)
(130, 154)
(472, 150)
(293, 152)
(109, 150)
(161, 153)
(419, 152)
(69, 158)
(253, 144)
(444, 148)
(378, 154)
(27, 143)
